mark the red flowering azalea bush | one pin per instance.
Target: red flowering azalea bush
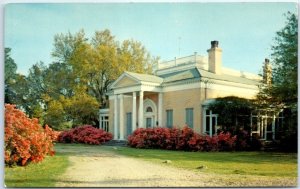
(25, 140)
(226, 141)
(84, 134)
(52, 133)
(180, 139)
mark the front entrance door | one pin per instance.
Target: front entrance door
(149, 122)
(129, 123)
(150, 112)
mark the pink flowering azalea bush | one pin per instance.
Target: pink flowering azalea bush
(180, 139)
(25, 139)
(86, 134)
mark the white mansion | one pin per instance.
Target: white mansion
(178, 95)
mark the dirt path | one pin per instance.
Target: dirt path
(107, 169)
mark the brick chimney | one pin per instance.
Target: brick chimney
(267, 72)
(215, 58)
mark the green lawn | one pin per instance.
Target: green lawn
(245, 163)
(43, 174)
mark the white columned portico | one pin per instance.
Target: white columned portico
(160, 107)
(121, 117)
(133, 111)
(115, 117)
(141, 108)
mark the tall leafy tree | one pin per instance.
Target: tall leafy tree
(9, 75)
(77, 82)
(10, 66)
(285, 58)
(283, 91)
(65, 45)
(99, 63)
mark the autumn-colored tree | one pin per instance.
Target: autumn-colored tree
(71, 89)
(99, 63)
(82, 109)
(56, 116)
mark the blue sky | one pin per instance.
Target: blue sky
(245, 31)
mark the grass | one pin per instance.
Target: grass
(244, 163)
(42, 174)
(228, 164)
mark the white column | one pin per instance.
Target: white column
(121, 117)
(251, 126)
(100, 120)
(258, 124)
(210, 123)
(204, 120)
(265, 127)
(133, 111)
(216, 117)
(160, 108)
(141, 110)
(116, 117)
(273, 127)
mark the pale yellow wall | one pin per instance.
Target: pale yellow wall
(213, 93)
(179, 101)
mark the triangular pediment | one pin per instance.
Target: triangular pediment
(124, 80)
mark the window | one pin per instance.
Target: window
(169, 118)
(267, 124)
(104, 123)
(210, 122)
(189, 117)
(149, 109)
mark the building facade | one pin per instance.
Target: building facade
(176, 95)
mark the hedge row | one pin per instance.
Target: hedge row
(86, 134)
(180, 139)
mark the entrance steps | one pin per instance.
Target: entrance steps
(270, 146)
(116, 143)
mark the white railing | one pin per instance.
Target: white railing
(192, 59)
(237, 73)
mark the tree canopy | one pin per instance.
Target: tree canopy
(71, 89)
(283, 91)
(10, 69)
